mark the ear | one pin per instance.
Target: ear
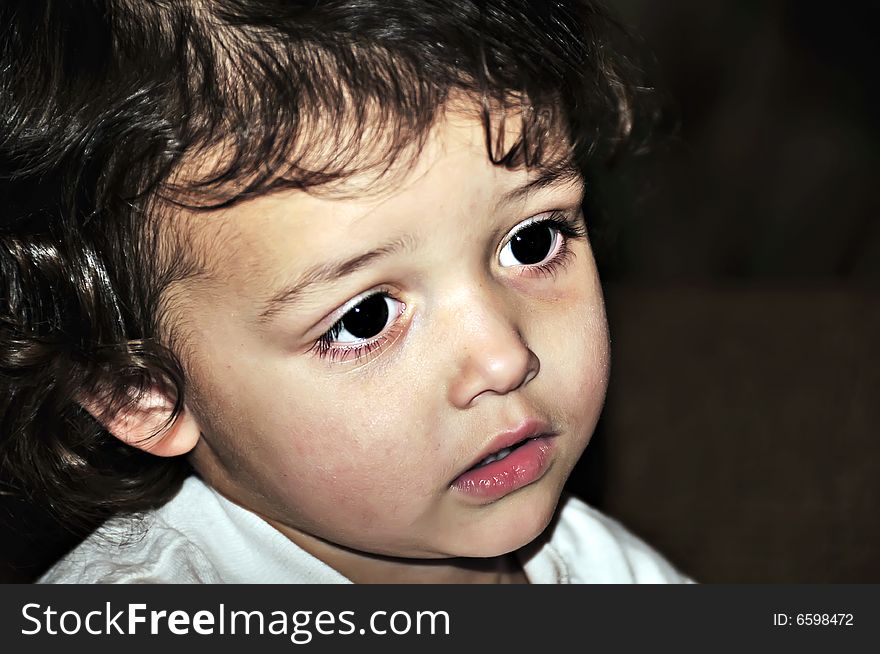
(143, 424)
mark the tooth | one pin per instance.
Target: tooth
(500, 454)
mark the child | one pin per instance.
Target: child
(306, 287)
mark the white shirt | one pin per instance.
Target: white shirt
(201, 537)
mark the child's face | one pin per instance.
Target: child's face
(466, 337)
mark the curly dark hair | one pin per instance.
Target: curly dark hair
(105, 106)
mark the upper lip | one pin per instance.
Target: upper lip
(529, 428)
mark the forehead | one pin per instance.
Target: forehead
(450, 171)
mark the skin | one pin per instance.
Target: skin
(353, 458)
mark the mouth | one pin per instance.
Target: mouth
(514, 459)
(501, 454)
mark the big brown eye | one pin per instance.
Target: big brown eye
(367, 319)
(530, 245)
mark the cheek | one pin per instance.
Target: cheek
(577, 354)
(371, 465)
(320, 457)
(358, 437)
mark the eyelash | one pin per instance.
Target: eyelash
(324, 347)
(570, 227)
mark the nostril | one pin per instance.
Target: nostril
(534, 368)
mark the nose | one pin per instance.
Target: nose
(491, 354)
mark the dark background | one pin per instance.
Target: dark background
(742, 269)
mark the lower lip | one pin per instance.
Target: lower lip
(525, 465)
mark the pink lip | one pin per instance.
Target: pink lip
(525, 465)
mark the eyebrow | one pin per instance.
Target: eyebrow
(330, 271)
(547, 177)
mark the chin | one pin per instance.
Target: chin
(509, 524)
